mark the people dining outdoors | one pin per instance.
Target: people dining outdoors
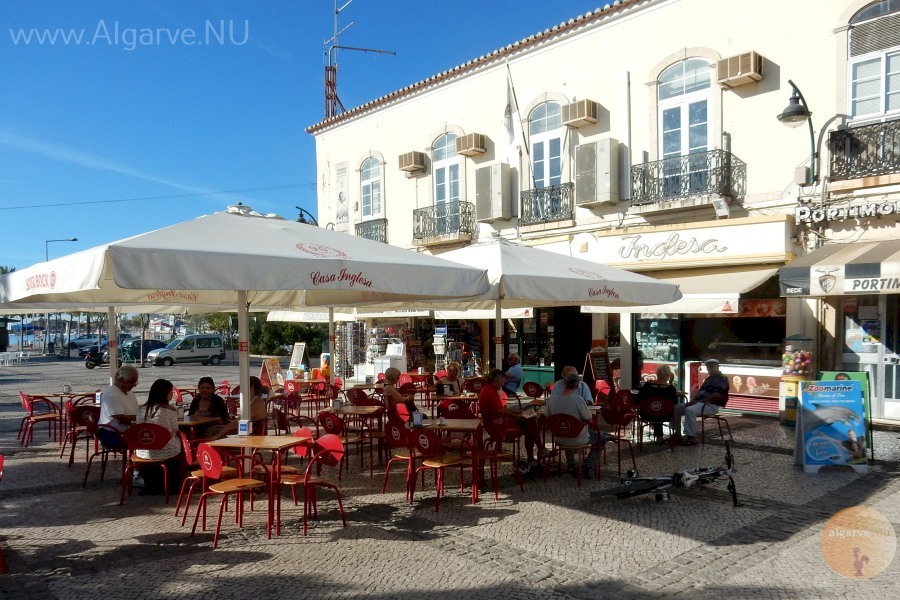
(209, 404)
(492, 404)
(712, 395)
(452, 384)
(662, 387)
(259, 411)
(392, 395)
(159, 411)
(512, 379)
(583, 391)
(118, 404)
(568, 401)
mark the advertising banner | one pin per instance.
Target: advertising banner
(831, 427)
(863, 378)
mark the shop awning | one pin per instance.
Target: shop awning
(705, 291)
(838, 269)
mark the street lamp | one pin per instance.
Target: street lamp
(796, 112)
(302, 217)
(47, 315)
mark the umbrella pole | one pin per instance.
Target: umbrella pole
(244, 353)
(111, 342)
(498, 335)
(331, 345)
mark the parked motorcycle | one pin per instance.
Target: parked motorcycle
(94, 358)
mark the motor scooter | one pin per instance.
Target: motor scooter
(94, 358)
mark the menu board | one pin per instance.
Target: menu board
(271, 376)
(297, 355)
(598, 360)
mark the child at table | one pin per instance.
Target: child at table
(392, 395)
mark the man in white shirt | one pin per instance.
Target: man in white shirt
(583, 390)
(118, 404)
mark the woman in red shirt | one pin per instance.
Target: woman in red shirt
(492, 404)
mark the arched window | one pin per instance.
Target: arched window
(370, 188)
(874, 58)
(545, 134)
(446, 184)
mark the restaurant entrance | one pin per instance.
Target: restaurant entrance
(871, 345)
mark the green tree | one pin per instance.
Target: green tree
(5, 270)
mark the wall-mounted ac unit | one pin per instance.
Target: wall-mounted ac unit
(471, 144)
(583, 112)
(738, 70)
(492, 195)
(412, 162)
(597, 172)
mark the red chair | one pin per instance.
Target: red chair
(653, 411)
(601, 391)
(224, 388)
(404, 378)
(85, 399)
(356, 396)
(80, 419)
(38, 409)
(400, 450)
(144, 436)
(619, 415)
(380, 378)
(454, 409)
(533, 390)
(328, 452)
(498, 435)
(213, 470)
(428, 443)
(440, 374)
(111, 444)
(335, 425)
(4, 569)
(280, 421)
(194, 476)
(567, 426)
(474, 385)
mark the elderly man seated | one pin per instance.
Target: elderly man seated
(583, 391)
(512, 379)
(118, 404)
(711, 396)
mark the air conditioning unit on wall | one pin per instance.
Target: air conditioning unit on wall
(471, 144)
(412, 162)
(597, 172)
(583, 112)
(739, 70)
(492, 193)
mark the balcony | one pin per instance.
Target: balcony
(375, 230)
(548, 204)
(870, 153)
(444, 223)
(687, 180)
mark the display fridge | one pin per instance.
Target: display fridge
(658, 339)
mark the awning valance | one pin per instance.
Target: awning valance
(705, 291)
(838, 269)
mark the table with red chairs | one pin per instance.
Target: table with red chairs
(370, 418)
(249, 444)
(473, 426)
(190, 423)
(60, 399)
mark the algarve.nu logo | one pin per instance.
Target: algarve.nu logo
(858, 543)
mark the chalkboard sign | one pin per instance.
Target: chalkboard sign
(598, 362)
(298, 355)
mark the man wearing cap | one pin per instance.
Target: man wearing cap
(711, 396)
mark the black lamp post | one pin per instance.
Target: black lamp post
(306, 217)
(796, 112)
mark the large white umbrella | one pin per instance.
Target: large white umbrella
(524, 276)
(239, 259)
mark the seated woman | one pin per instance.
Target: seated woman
(209, 404)
(492, 404)
(159, 411)
(663, 386)
(259, 410)
(452, 383)
(392, 395)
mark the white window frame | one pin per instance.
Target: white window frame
(371, 202)
(446, 167)
(882, 113)
(543, 140)
(684, 101)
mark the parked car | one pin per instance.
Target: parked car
(86, 340)
(85, 350)
(204, 348)
(131, 347)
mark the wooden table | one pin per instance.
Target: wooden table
(472, 426)
(60, 399)
(277, 443)
(190, 422)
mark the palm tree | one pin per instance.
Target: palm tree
(5, 270)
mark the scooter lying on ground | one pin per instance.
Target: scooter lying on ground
(635, 485)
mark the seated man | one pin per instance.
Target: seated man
(118, 404)
(567, 401)
(711, 396)
(492, 404)
(512, 379)
(583, 391)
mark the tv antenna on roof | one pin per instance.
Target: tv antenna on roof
(332, 102)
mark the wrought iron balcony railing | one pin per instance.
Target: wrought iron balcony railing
(712, 173)
(444, 219)
(548, 204)
(865, 151)
(375, 230)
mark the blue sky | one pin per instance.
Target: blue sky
(167, 110)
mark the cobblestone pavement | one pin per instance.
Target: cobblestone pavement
(552, 541)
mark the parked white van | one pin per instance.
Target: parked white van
(204, 348)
